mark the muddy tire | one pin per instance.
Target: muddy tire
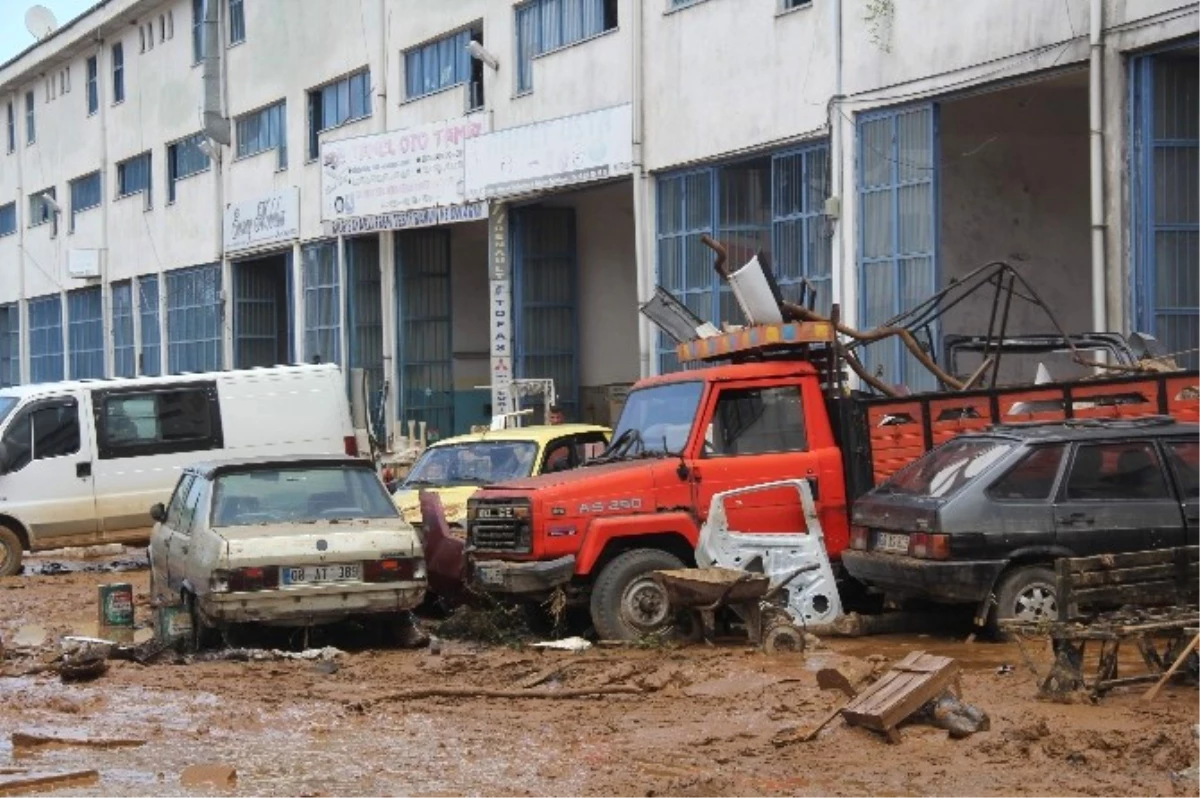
(10, 552)
(1026, 594)
(626, 602)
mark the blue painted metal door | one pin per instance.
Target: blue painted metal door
(897, 219)
(545, 298)
(364, 320)
(1166, 168)
(426, 374)
(261, 317)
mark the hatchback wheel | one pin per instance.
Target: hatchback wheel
(1027, 594)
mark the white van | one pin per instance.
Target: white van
(82, 462)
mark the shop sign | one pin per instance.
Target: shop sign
(256, 223)
(386, 174)
(545, 155)
(407, 220)
(500, 310)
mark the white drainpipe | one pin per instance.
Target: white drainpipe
(1096, 133)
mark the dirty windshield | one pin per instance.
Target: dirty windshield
(480, 463)
(657, 420)
(299, 495)
(945, 470)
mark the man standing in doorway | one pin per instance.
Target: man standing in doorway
(556, 415)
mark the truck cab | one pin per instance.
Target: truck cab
(597, 532)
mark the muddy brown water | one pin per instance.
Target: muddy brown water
(705, 729)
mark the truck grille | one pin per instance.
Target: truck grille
(495, 526)
(494, 536)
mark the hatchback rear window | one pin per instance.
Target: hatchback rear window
(948, 468)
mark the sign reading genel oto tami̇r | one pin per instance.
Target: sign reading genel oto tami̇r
(393, 173)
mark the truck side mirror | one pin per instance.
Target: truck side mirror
(158, 512)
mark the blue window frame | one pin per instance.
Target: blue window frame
(184, 159)
(237, 21)
(118, 72)
(1165, 160)
(439, 64)
(194, 315)
(10, 345)
(12, 128)
(93, 88)
(364, 321)
(336, 104)
(85, 194)
(39, 210)
(545, 25)
(198, 9)
(426, 346)
(262, 130)
(8, 219)
(133, 177)
(773, 203)
(322, 303)
(124, 349)
(150, 360)
(897, 243)
(545, 300)
(45, 339)
(85, 333)
(30, 124)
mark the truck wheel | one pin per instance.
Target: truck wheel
(1027, 594)
(10, 552)
(626, 601)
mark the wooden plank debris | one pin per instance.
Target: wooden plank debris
(900, 692)
(25, 783)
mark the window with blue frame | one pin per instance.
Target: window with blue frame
(198, 10)
(184, 159)
(774, 203)
(30, 124)
(8, 219)
(12, 128)
(85, 195)
(262, 130)
(85, 333)
(364, 321)
(10, 345)
(124, 351)
(194, 313)
(439, 64)
(237, 21)
(133, 177)
(118, 72)
(150, 358)
(45, 339)
(40, 212)
(322, 303)
(546, 25)
(93, 88)
(337, 104)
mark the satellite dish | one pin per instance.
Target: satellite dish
(40, 21)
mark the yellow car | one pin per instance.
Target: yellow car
(455, 468)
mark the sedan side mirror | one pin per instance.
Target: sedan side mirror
(158, 513)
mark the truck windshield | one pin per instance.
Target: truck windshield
(479, 463)
(656, 420)
(948, 468)
(7, 403)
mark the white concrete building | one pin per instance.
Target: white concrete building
(876, 148)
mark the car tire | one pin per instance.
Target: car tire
(626, 602)
(11, 552)
(1026, 594)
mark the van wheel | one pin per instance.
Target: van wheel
(10, 552)
(626, 601)
(1027, 594)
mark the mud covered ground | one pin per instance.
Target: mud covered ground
(294, 728)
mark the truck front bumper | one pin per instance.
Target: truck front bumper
(948, 582)
(522, 578)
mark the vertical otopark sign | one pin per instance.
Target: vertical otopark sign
(500, 310)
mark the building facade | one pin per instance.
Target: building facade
(453, 196)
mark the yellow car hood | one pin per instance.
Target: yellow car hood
(454, 502)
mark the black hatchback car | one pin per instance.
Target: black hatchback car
(984, 516)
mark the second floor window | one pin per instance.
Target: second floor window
(118, 67)
(85, 194)
(545, 25)
(30, 128)
(133, 176)
(336, 104)
(40, 211)
(8, 219)
(12, 128)
(93, 90)
(184, 158)
(237, 22)
(262, 130)
(439, 64)
(198, 9)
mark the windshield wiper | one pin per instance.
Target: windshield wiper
(620, 448)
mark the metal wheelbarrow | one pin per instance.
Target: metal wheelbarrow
(703, 591)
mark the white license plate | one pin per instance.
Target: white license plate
(489, 576)
(316, 574)
(886, 541)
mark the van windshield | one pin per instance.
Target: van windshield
(948, 468)
(7, 403)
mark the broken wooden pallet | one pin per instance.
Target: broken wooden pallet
(900, 692)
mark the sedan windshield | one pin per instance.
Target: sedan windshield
(657, 420)
(299, 495)
(948, 468)
(478, 463)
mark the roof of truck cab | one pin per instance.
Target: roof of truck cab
(540, 434)
(51, 388)
(211, 469)
(769, 369)
(1090, 429)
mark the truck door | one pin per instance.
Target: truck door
(1116, 499)
(1184, 457)
(47, 467)
(755, 434)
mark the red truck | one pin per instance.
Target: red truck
(774, 409)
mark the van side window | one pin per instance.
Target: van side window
(45, 430)
(175, 508)
(758, 421)
(136, 423)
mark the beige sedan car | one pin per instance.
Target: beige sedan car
(296, 541)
